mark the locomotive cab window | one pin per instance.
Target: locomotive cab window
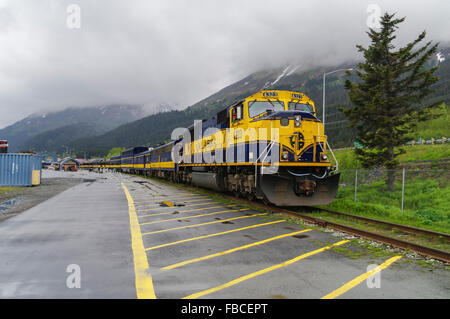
(237, 113)
(305, 107)
(256, 108)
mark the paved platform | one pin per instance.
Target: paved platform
(86, 225)
(135, 237)
(200, 248)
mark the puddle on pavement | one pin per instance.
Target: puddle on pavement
(301, 236)
(88, 180)
(8, 204)
(144, 183)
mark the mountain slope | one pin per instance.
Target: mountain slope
(20, 135)
(54, 141)
(157, 128)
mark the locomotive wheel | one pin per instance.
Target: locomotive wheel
(251, 197)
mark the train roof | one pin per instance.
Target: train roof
(134, 150)
(161, 146)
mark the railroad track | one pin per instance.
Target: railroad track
(423, 250)
(403, 228)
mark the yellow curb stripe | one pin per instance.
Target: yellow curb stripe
(194, 216)
(202, 224)
(229, 251)
(262, 271)
(143, 279)
(212, 235)
(360, 279)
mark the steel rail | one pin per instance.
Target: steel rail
(404, 228)
(423, 250)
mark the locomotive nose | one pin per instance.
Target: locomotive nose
(306, 192)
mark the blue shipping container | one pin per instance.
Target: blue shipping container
(20, 169)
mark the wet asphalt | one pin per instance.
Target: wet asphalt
(196, 246)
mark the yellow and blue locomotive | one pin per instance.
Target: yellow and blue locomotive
(270, 146)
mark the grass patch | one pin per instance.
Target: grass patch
(347, 158)
(437, 127)
(426, 201)
(6, 189)
(357, 249)
(425, 152)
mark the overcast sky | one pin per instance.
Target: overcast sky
(175, 52)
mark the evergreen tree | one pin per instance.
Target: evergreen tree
(387, 98)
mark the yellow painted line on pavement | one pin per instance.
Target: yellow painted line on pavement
(182, 211)
(197, 200)
(229, 251)
(193, 201)
(143, 279)
(194, 216)
(165, 197)
(202, 224)
(148, 203)
(162, 207)
(262, 271)
(212, 235)
(359, 279)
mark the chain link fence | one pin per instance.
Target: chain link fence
(419, 194)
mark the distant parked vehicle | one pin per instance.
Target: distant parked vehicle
(3, 146)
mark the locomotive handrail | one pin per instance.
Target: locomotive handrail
(266, 150)
(335, 159)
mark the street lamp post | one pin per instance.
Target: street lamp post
(323, 98)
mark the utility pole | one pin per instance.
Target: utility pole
(323, 92)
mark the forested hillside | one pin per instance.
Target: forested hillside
(47, 131)
(157, 128)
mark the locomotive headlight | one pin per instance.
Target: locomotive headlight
(324, 157)
(285, 155)
(297, 120)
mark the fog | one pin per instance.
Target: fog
(176, 52)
